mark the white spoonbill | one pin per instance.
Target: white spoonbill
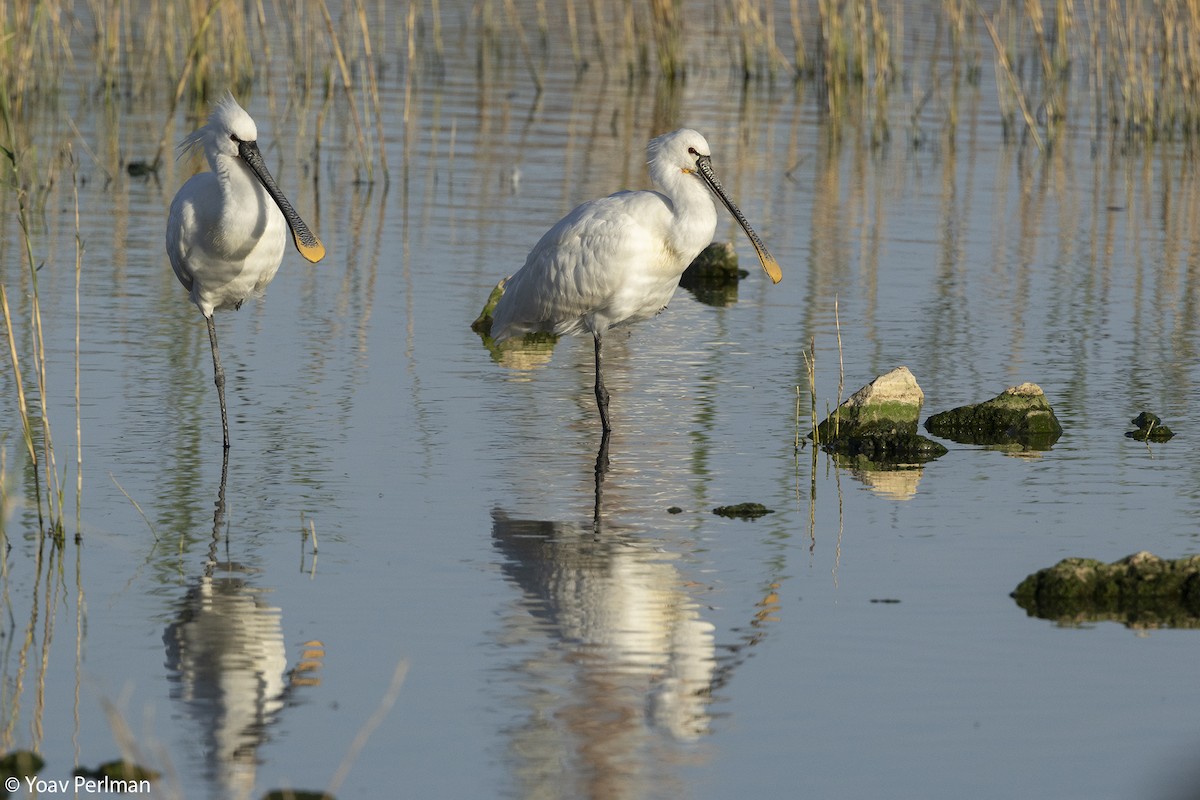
(618, 259)
(228, 228)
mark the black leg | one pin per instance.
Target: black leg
(601, 471)
(218, 378)
(601, 392)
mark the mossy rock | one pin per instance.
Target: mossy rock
(888, 405)
(879, 423)
(743, 511)
(118, 770)
(887, 449)
(1140, 591)
(713, 276)
(19, 764)
(1018, 415)
(518, 352)
(483, 323)
(717, 263)
(1150, 429)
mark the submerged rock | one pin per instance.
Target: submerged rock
(483, 323)
(886, 448)
(1149, 428)
(1140, 591)
(526, 352)
(1019, 415)
(20, 764)
(118, 770)
(743, 511)
(714, 274)
(878, 423)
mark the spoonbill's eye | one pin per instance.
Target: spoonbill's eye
(692, 151)
(233, 138)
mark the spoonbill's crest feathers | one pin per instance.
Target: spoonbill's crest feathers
(227, 119)
(675, 152)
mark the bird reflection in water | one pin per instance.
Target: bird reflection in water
(228, 664)
(619, 685)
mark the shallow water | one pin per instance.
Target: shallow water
(857, 642)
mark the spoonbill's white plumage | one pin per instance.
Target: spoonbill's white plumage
(227, 229)
(618, 259)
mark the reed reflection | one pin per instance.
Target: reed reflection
(227, 665)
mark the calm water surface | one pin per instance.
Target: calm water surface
(454, 497)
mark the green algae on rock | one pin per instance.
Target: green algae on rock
(20, 764)
(879, 423)
(526, 352)
(1019, 415)
(713, 276)
(743, 511)
(886, 448)
(118, 770)
(1139, 591)
(483, 323)
(1149, 429)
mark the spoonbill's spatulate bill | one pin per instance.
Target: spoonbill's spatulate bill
(618, 259)
(228, 228)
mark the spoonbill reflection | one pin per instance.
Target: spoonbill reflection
(618, 259)
(228, 228)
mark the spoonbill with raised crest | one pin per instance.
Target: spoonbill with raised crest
(227, 229)
(618, 259)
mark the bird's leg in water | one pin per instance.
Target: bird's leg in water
(601, 471)
(218, 378)
(601, 392)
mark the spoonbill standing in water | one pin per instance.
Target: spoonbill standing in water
(228, 228)
(618, 259)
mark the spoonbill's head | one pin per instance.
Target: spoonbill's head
(678, 150)
(685, 150)
(228, 126)
(231, 133)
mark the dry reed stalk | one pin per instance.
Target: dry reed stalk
(837, 323)
(373, 88)
(1004, 67)
(796, 419)
(756, 34)
(106, 15)
(799, 53)
(514, 17)
(54, 490)
(181, 84)
(347, 86)
(78, 393)
(38, 358)
(596, 8)
(22, 403)
(573, 34)
(666, 23)
(881, 55)
(49, 521)
(810, 367)
(638, 59)
(33, 36)
(136, 507)
(360, 740)
(436, 13)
